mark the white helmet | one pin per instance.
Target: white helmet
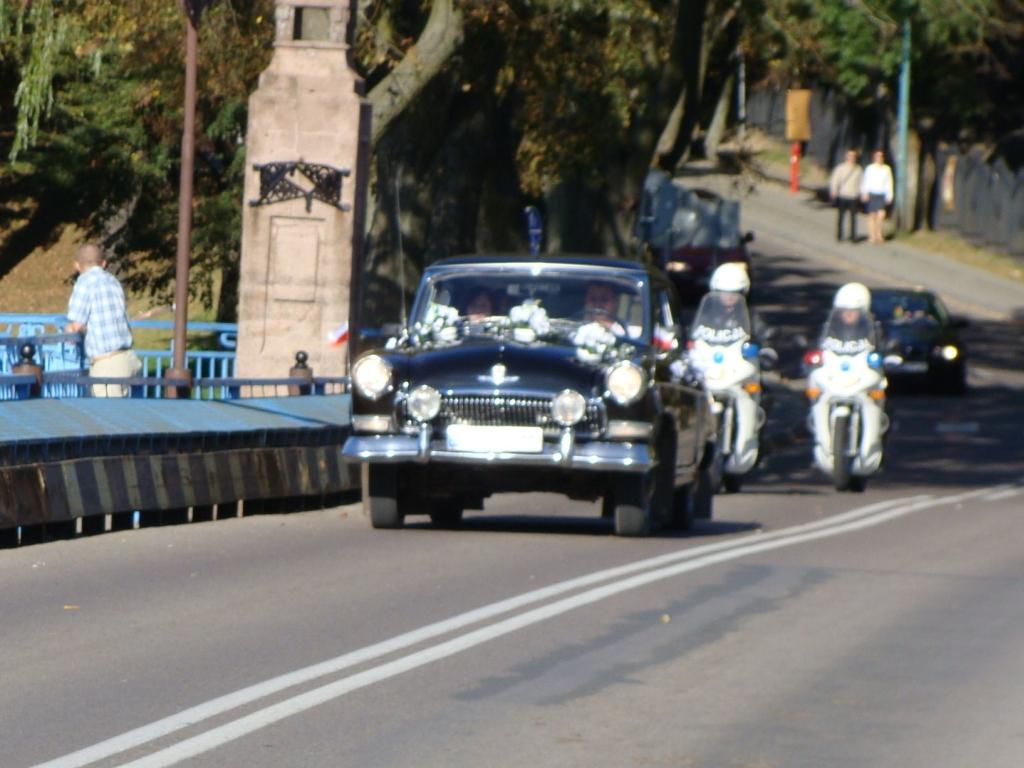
(732, 277)
(853, 296)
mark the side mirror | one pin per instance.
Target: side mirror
(890, 362)
(768, 358)
(748, 237)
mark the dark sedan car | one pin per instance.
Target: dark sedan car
(558, 374)
(921, 340)
(690, 231)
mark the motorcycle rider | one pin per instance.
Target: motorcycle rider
(722, 350)
(851, 321)
(847, 392)
(731, 283)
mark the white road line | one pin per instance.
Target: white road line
(241, 727)
(197, 714)
(1009, 493)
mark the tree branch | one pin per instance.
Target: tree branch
(440, 38)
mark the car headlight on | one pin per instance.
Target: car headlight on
(677, 266)
(625, 382)
(424, 403)
(568, 407)
(371, 375)
(949, 353)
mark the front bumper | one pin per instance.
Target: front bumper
(593, 456)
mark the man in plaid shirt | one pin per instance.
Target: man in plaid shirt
(97, 309)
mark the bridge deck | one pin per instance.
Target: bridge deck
(61, 459)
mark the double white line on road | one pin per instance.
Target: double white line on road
(619, 580)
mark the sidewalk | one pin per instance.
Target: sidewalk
(808, 225)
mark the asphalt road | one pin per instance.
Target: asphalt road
(801, 627)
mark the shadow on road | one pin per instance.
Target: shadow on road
(481, 522)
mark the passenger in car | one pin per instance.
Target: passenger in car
(601, 304)
(481, 305)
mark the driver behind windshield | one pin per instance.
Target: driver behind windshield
(479, 306)
(601, 304)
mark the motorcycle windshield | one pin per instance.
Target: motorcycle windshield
(722, 318)
(849, 332)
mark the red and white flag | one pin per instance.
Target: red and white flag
(339, 335)
(663, 338)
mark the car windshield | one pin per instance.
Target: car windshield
(722, 318)
(703, 220)
(483, 301)
(904, 309)
(849, 332)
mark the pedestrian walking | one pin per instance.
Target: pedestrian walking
(844, 192)
(877, 193)
(97, 309)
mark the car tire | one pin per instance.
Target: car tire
(682, 508)
(382, 497)
(446, 513)
(954, 382)
(732, 483)
(703, 492)
(633, 503)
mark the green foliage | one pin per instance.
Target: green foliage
(99, 112)
(856, 46)
(577, 72)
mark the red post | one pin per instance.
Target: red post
(794, 167)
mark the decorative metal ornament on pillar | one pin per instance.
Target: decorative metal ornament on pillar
(276, 188)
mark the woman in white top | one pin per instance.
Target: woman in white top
(876, 191)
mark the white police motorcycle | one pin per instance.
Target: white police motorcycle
(847, 393)
(723, 351)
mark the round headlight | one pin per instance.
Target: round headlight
(949, 353)
(371, 375)
(625, 382)
(568, 407)
(423, 404)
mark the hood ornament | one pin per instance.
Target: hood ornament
(498, 376)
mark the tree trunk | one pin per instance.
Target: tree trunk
(690, 25)
(716, 129)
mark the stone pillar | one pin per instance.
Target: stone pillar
(300, 189)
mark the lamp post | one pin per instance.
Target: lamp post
(193, 10)
(902, 120)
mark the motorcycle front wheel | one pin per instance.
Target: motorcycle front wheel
(842, 463)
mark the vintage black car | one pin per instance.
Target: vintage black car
(921, 340)
(554, 374)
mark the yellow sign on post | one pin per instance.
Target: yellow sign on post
(798, 114)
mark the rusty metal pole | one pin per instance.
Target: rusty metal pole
(178, 370)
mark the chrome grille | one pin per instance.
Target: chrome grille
(512, 411)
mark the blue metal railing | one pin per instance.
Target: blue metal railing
(65, 370)
(59, 351)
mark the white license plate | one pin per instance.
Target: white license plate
(477, 439)
(913, 366)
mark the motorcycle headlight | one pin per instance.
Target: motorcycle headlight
(568, 407)
(625, 382)
(423, 404)
(371, 375)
